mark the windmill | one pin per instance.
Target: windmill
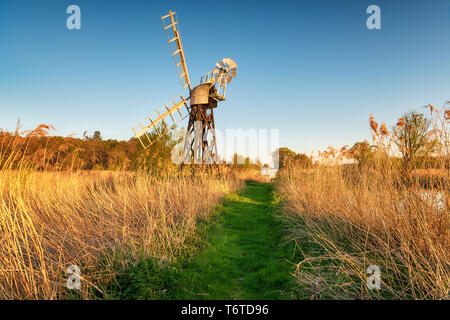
(200, 139)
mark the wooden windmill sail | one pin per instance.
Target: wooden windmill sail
(200, 140)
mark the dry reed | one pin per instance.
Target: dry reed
(355, 217)
(101, 221)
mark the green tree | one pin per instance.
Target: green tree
(238, 159)
(362, 152)
(285, 155)
(97, 135)
(303, 161)
(413, 140)
(157, 158)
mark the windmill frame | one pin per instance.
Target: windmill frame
(200, 140)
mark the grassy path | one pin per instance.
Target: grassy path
(241, 259)
(244, 259)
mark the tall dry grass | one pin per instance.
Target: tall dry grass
(353, 217)
(49, 221)
(101, 221)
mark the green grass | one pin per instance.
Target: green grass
(241, 256)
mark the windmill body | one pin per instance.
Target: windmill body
(200, 140)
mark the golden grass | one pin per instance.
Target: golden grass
(376, 213)
(362, 217)
(100, 221)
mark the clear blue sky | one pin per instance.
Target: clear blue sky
(309, 68)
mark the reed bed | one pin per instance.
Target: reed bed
(357, 219)
(102, 222)
(354, 216)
